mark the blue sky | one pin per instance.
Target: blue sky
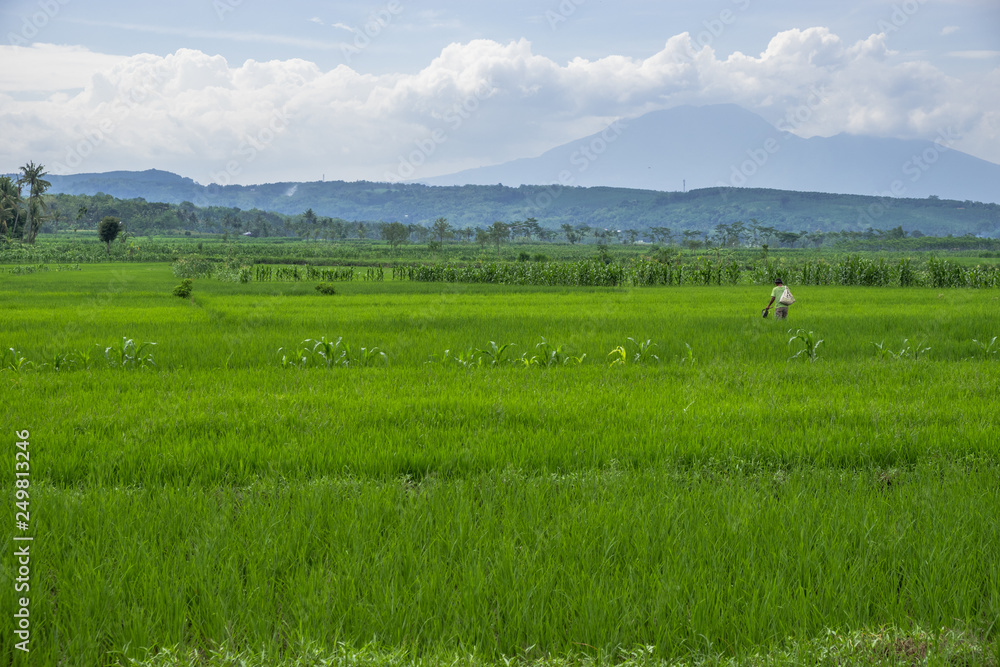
(246, 91)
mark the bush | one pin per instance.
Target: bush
(184, 289)
(326, 288)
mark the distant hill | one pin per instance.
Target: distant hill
(726, 145)
(553, 206)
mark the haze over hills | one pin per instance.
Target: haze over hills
(725, 145)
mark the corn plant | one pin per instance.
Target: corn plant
(323, 353)
(294, 358)
(809, 342)
(633, 352)
(911, 351)
(84, 357)
(327, 353)
(13, 360)
(881, 351)
(60, 361)
(548, 355)
(127, 353)
(988, 350)
(369, 356)
(907, 351)
(465, 359)
(494, 356)
(687, 357)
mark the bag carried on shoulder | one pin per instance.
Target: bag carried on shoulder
(786, 298)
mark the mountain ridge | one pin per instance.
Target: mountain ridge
(726, 145)
(553, 206)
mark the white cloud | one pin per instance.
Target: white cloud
(949, 29)
(476, 103)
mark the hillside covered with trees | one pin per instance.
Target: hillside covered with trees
(552, 206)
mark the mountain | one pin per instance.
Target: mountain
(152, 184)
(726, 145)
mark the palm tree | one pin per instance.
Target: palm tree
(442, 229)
(10, 206)
(80, 213)
(499, 232)
(31, 174)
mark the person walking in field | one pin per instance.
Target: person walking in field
(777, 294)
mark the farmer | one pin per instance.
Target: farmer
(781, 312)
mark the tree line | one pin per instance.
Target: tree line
(26, 211)
(23, 218)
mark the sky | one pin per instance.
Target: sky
(247, 91)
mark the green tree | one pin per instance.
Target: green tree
(309, 225)
(739, 231)
(516, 228)
(10, 206)
(442, 230)
(499, 232)
(788, 238)
(691, 238)
(31, 175)
(108, 229)
(395, 233)
(419, 232)
(531, 227)
(80, 213)
(570, 233)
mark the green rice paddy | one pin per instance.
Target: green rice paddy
(714, 498)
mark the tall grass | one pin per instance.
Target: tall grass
(706, 497)
(497, 563)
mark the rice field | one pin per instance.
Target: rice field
(480, 474)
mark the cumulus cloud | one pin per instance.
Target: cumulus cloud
(477, 103)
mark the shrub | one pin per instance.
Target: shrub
(184, 289)
(326, 288)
